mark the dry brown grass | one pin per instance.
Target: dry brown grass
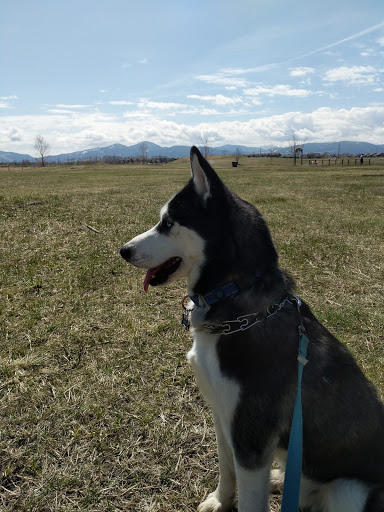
(99, 410)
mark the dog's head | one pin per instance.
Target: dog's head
(174, 247)
(206, 233)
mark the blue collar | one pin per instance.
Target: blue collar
(218, 294)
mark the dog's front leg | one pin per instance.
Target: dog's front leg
(223, 498)
(253, 488)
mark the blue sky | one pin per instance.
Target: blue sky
(87, 74)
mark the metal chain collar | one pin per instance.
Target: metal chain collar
(242, 323)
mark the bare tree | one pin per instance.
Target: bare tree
(42, 147)
(143, 151)
(237, 154)
(204, 143)
(295, 146)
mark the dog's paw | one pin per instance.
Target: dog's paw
(212, 504)
(276, 481)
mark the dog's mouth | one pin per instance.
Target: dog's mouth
(159, 275)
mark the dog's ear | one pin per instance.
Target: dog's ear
(201, 173)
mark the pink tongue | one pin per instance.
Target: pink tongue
(153, 271)
(148, 276)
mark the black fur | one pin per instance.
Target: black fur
(236, 235)
(343, 430)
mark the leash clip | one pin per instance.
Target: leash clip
(294, 299)
(186, 314)
(303, 344)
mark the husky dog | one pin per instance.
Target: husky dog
(244, 320)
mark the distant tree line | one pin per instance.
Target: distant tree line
(314, 156)
(116, 160)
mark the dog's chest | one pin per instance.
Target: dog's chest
(221, 392)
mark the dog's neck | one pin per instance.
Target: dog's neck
(225, 290)
(267, 286)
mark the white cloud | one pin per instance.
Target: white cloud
(368, 52)
(218, 99)
(301, 71)
(62, 108)
(83, 130)
(154, 110)
(159, 105)
(122, 102)
(353, 75)
(324, 124)
(381, 41)
(208, 112)
(143, 61)
(224, 79)
(138, 114)
(59, 111)
(72, 107)
(276, 90)
(6, 101)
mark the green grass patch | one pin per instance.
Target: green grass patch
(99, 409)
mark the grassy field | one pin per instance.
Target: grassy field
(99, 409)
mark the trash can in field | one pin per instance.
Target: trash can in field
(234, 164)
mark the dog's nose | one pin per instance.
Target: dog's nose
(125, 252)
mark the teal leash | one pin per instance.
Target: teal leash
(291, 491)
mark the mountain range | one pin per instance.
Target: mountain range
(153, 150)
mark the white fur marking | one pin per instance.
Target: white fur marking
(253, 489)
(345, 496)
(152, 248)
(341, 495)
(221, 393)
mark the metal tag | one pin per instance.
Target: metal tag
(185, 321)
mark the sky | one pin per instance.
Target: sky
(87, 74)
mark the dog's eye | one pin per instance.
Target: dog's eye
(166, 224)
